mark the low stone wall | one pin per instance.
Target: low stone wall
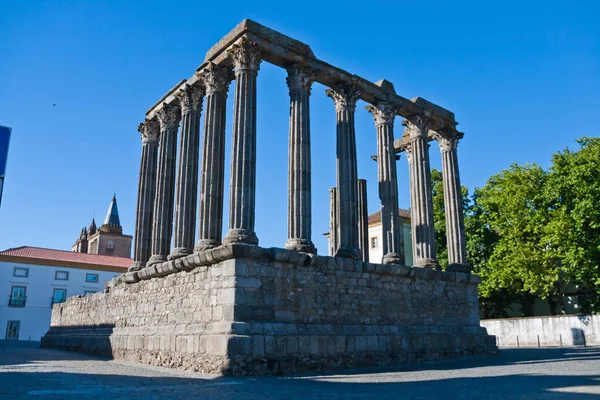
(275, 311)
(565, 330)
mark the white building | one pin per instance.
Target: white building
(33, 279)
(376, 237)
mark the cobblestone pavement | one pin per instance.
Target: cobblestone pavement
(30, 373)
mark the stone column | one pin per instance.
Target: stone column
(299, 81)
(455, 226)
(162, 224)
(422, 207)
(344, 98)
(210, 223)
(408, 153)
(333, 222)
(363, 220)
(393, 238)
(146, 188)
(190, 99)
(246, 61)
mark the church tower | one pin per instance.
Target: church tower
(107, 240)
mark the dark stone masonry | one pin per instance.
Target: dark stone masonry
(241, 309)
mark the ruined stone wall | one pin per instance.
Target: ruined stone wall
(279, 313)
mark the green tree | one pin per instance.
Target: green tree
(573, 232)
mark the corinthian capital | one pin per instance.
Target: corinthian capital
(245, 56)
(168, 116)
(417, 126)
(383, 113)
(216, 78)
(190, 98)
(300, 79)
(344, 97)
(149, 130)
(447, 140)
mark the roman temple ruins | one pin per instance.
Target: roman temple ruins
(212, 301)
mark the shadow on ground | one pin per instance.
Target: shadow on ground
(28, 372)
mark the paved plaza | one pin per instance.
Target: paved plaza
(29, 372)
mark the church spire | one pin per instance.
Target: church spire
(92, 229)
(112, 222)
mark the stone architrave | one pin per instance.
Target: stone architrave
(422, 207)
(333, 222)
(210, 222)
(246, 60)
(146, 188)
(393, 239)
(299, 81)
(190, 100)
(363, 220)
(455, 226)
(162, 224)
(345, 98)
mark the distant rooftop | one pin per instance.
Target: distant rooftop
(29, 254)
(376, 216)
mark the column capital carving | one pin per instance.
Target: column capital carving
(216, 78)
(190, 98)
(344, 97)
(300, 78)
(168, 116)
(245, 56)
(150, 131)
(447, 141)
(417, 126)
(383, 113)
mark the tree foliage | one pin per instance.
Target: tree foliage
(533, 232)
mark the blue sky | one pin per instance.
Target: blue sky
(523, 79)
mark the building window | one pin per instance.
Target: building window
(21, 272)
(59, 296)
(12, 330)
(89, 292)
(17, 296)
(92, 278)
(374, 242)
(61, 275)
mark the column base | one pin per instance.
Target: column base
(301, 245)
(240, 236)
(459, 268)
(205, 244)
(178, 253)
(393, 258)
(136, 266)
(156, 259)
(427, 263)
(351, 253)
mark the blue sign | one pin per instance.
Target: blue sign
(4, 141)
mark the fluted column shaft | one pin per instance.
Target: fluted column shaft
(422, 208)
(246, 60)
(344, 98)
(393, 239)
(146, 188)
(299, 167)
(455, 226)
(333, 222)
(210, 222)
(184, 230)
(363, 220)
(162, 223)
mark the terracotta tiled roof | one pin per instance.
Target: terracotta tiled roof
(28, 252)
(376, 216)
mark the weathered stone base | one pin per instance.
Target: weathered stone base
(275, 311)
